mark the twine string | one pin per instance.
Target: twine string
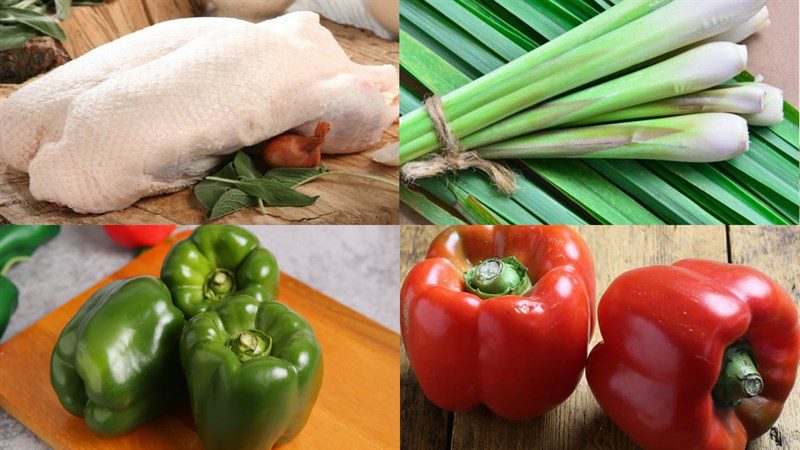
(453, 157)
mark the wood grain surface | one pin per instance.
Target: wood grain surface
(357, 406)
(343, 200)
(580, 423)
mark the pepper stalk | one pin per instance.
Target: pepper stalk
(494, 277)
(739, 377)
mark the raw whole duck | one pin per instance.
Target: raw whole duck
(156, 110)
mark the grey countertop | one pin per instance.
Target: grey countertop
(356, 265)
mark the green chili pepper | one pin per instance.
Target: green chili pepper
(9, 294)
(23, 240)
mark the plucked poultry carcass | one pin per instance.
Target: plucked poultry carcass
(156, 110)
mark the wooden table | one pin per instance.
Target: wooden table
(580, 423)
(342, 200)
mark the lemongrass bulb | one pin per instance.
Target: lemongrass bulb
(773, 108)
(744, 30)
(709, 137)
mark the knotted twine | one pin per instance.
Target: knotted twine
(454, 157)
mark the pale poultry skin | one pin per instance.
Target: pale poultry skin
(156, 110)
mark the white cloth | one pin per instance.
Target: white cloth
(348, 12)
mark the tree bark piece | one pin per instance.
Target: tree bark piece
(38, 55)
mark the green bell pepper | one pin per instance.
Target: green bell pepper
(9, 294)
(254, 370)
(215, 262)
(23, 240)
(116, 362)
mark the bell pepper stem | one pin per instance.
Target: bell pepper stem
(494, 277)
(11, 262)
(739, 378)
(250, 344)
(219, 284)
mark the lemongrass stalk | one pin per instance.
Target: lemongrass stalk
(694, 70)
(736, 99)
(512, 76)
(744, 30)
(773, 109)
(675, 25)
(692, 138)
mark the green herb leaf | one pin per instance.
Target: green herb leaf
(14, 36)
(295, 176)
(62, 8)
(229, 202)
(36, 20)
(274, 193)
(244, 166)
(208, 192)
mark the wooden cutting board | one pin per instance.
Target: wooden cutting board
(358, 405)
(343, 200)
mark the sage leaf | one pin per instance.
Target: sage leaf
(229, 202)
(274, 193)
(14, 36)
(208, 192)
(295, 176)
(62, 9)
(244, 166)
(36, 20)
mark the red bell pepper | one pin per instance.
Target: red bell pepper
(501, 316)
(136, 236)
(696, 355)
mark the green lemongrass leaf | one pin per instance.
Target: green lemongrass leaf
(515, 75)
(36, 20)
(15, 36)
(718, 193)
(783, 136)
(408, 101)
(474, 210)
(789, 151)
(421, 63)
(295, 176)
(527, 198)
(694, 70)
(229, 202)
(545, 16)
(442, 188)
(659, 196)
(730, 98)
(478, 8)
(649, 37)
(461, 13)
(706, 137)
(603, 200)
(426, 208)
(274, 193)
(244, 166)
(480, 59)
(208, 192)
